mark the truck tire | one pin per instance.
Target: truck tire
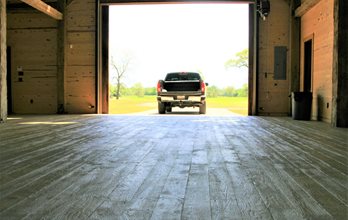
(203, 109)
(161, 108)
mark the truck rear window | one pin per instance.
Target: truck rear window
(182, 76)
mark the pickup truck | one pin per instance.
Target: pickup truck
(181, 89)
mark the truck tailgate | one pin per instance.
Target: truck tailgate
(182, 86)
(181, 93)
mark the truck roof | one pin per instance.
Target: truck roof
(179, 76)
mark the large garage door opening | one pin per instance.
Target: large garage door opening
(147, 41)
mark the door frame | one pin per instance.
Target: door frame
(102, 39)
(9, 81)
(305, 62)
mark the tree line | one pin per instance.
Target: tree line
(140, 91)
(230, 91)
(136, 90)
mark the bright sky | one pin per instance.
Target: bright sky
(179, 37)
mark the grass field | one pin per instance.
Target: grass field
(237, 105)
(133, 104)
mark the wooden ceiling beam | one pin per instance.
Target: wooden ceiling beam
(69, 2)
(45, 8)
(110, 2)
(305, 6)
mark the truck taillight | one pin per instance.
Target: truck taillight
(159, 87)
(203, 87)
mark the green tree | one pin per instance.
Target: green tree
(112, 90)
(240, 60)
(138, 90)
(243, 92)
(150, 91)
(120, 66)
(213, 91)
(124, 91)
(230, 91)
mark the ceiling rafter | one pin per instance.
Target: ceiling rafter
(68, 2)
(305, 6)
(45, 8)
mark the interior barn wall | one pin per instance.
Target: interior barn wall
(340, 72)
(3, 62)
(319, 23)
(274, 31)
(32, 37)
(80, 93)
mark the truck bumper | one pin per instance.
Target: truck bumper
(187, 101)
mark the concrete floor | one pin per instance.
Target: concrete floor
(177, 166)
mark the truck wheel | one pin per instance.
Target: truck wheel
(161, 108)
(169, 109)
(203, 109)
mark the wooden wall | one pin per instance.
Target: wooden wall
(3, 62)
(81, 57)
(36, 80)
(274, 31)
(340, 65)
(33, 38)
(318, 23)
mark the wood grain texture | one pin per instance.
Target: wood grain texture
(318, 24)
(32, 37)
(45, 8)
(171, 167)
(80, 76)
(306, 5)
(272, 95)
(3, 62)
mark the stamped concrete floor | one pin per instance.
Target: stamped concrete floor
(178, 166)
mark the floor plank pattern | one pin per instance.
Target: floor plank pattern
(172, 167)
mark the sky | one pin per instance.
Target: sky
(157, 39)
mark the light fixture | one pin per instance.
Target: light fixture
(264, 8)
